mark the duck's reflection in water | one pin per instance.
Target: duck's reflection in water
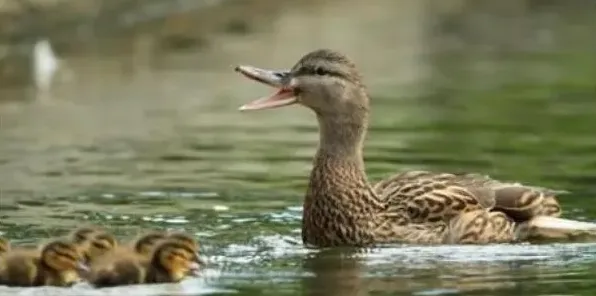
(346, 272)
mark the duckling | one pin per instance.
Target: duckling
(170, 261)
(99, 244)
(82, 234)
(4, 245)
(93, 242)
(144, 244)
(56, 264)
(190, 242)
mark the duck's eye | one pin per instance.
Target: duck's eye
(320, 71)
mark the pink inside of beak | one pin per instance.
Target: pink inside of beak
(283, 97)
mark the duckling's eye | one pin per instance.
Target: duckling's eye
(99, 245)
(320, 71)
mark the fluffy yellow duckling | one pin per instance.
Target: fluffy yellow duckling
(4, 245)
(190, 242)
(56, 264)
(171, 261)
(93, 242)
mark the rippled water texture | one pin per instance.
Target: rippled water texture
(137, 136)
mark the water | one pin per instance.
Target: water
(136, 138)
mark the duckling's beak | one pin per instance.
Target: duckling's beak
(278, 79)
(194, 268)
(200, 260)
(83, 267)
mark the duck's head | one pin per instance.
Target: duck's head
(324, 80)
(64, 258)
(4, 245)
(175, 258)
(145, 243)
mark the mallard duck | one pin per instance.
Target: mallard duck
(4, 245)
(56, 264)
(93, 242)
(341, 207)
(170, 261)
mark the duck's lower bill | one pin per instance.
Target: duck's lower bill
(283, 97)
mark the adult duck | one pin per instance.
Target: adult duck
(342, 208)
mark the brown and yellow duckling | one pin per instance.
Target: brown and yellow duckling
(341, 207)
(144, 244)
(93, 241)
(142, 247)
(191, 243)
(57, 264)
(170, 261)
(4, 245)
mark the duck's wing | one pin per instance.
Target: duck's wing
(475, 209)
(518, 201)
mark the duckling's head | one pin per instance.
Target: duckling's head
(145, 243)
(82, 235)
(4, 245)
(175, 258)
(98, 244)
(190, 242)
(324, 80)
(64, 258)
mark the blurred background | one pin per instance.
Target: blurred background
(124, 113)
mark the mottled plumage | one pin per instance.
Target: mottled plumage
(342, 208)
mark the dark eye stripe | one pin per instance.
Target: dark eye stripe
(307, 70)
(178, 254)
(178, 246)
(99, 245)
(105, 237)
(67, 255)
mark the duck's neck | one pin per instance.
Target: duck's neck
(338, 165)
(339, 202)
(341, 141)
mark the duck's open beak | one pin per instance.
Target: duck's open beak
(278, 79)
